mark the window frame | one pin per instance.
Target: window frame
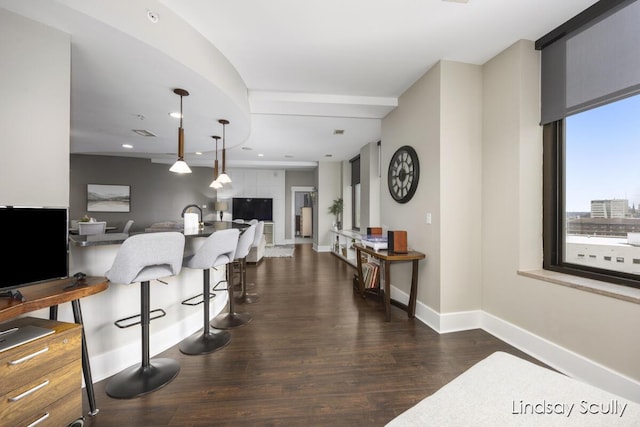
(554, 229)
(355, 179)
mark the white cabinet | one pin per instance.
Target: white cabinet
(342, 245)
(269, 233)
(305, 222)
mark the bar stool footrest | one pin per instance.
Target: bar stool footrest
(120, 323)
(189, 301)
(217, 289)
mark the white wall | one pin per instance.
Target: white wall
(34, 112)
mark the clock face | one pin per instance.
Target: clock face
(404, 171)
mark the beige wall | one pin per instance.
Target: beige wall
(416, 122)
(460, 186)
(599, 328)
(329, 178)
(476, 130)
(34, 113)
(370, 187)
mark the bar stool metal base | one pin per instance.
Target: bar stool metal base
(204, 343)
(138, 380)
(230, 320)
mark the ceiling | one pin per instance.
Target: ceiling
(305, 69)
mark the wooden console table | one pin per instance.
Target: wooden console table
(50, 294)
(386, 259)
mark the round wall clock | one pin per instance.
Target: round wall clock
(404, 171)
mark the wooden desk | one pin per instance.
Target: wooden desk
(50, 294)
(386, 260)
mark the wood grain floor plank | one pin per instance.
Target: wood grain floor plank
(315, 354)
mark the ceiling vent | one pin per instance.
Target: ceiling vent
(143, 132)
(338, 132)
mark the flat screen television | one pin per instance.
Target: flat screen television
(36, 245)
(252, 208)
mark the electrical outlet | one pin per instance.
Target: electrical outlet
(428, 219)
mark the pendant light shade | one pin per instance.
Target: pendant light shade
(223, 178)
(180, 166)
(215, 184)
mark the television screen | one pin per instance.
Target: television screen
(252, 208)
(36, 245)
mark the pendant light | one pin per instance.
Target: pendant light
(180, 166)
(215, 184)
(224, 178)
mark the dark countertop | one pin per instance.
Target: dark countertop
(118, 238)
(97, 239)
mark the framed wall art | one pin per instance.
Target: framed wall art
(108, 198)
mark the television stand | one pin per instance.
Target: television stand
(14, 295)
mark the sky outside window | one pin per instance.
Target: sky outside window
(603, 155)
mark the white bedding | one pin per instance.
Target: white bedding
(504, 390)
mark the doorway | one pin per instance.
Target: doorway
(302, 214)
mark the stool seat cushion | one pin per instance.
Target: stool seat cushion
(245, 242)
(217, 249)
(145, 257)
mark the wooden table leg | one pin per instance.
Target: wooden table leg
(360, 278)
(411, 309)
(387, 290)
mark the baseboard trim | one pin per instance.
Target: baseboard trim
(566, 361)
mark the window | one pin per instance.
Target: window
(590, 106)
(355, 192)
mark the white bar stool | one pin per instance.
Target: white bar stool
(142, 258)
(245, 296)
(216, 251)
(232, 319)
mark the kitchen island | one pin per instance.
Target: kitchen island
(112, 349)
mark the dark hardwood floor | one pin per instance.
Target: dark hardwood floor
(315, 354)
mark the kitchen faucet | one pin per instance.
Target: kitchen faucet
(186, 208)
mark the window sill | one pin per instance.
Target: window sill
(589, 285)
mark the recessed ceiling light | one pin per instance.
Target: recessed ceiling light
(198, 153)
(260, 155)
(338, 131)
(127, 146)
(143, 132)
(175, 115)
(288, 156)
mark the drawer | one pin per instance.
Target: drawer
(62, 412)
(27, 362)
(31, 397)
